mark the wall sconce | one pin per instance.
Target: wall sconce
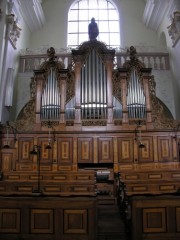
(37, 151)
(138, 137)
(49, 136)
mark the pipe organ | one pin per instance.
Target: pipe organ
(93, 88)
(105, 121)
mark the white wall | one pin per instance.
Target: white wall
(22, 43)
(54, 33)
(174, 53)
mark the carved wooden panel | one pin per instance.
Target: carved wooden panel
(46, 154)
(154, 220)
(10, 220)
(7, 161)
(156, 217)
(165, 148)
(125, 150)
(42, 221)
(25, 146)
(85, 146)
(48, 218)
(105, 146)
(146, 154)
(75, 221)
(65, 146)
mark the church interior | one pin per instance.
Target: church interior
(89, 130)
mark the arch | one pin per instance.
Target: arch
(106, 16)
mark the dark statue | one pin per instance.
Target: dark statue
(93, 30)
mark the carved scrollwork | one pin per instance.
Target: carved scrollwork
(70, 86)
(26, 118)
(161, 117)
(133, 63)
(51, 64)
(81, 54)
(94, 123)
(116, 81)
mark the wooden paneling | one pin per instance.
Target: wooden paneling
(155, 217)
(81, 183)
(48, 218)
(7, 161)
(69, 150)
(75, 221)
(64, 151)
(9, 220)
(46, 154)
(125, 150)
(105, 146)
(154, 220)
(157, 181)
(85, 147)
(25, 146)
(41, 221)
(165, 148)
(146, 154)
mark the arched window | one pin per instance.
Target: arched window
(106, 16)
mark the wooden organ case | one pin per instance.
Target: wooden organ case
(87, 125)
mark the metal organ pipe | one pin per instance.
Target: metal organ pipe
(93, 88)
(136, 100)
(50, 100)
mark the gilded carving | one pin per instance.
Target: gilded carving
(26, 118)
(116, 81)
(133, 63)
(94, 122)
(81, 54)
(51, 63)
(70, 86)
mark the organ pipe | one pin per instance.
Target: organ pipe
(135, 98)
(93, 88)
(50, 100)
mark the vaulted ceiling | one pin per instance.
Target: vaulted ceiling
(154, 12)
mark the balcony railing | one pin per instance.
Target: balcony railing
(154, 60)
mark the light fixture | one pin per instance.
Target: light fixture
(49, 136)
(6, 146)
(138, 137)
(48, 146)
(141, 145)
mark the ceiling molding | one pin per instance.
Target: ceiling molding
(32, 13)
(154, 12)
